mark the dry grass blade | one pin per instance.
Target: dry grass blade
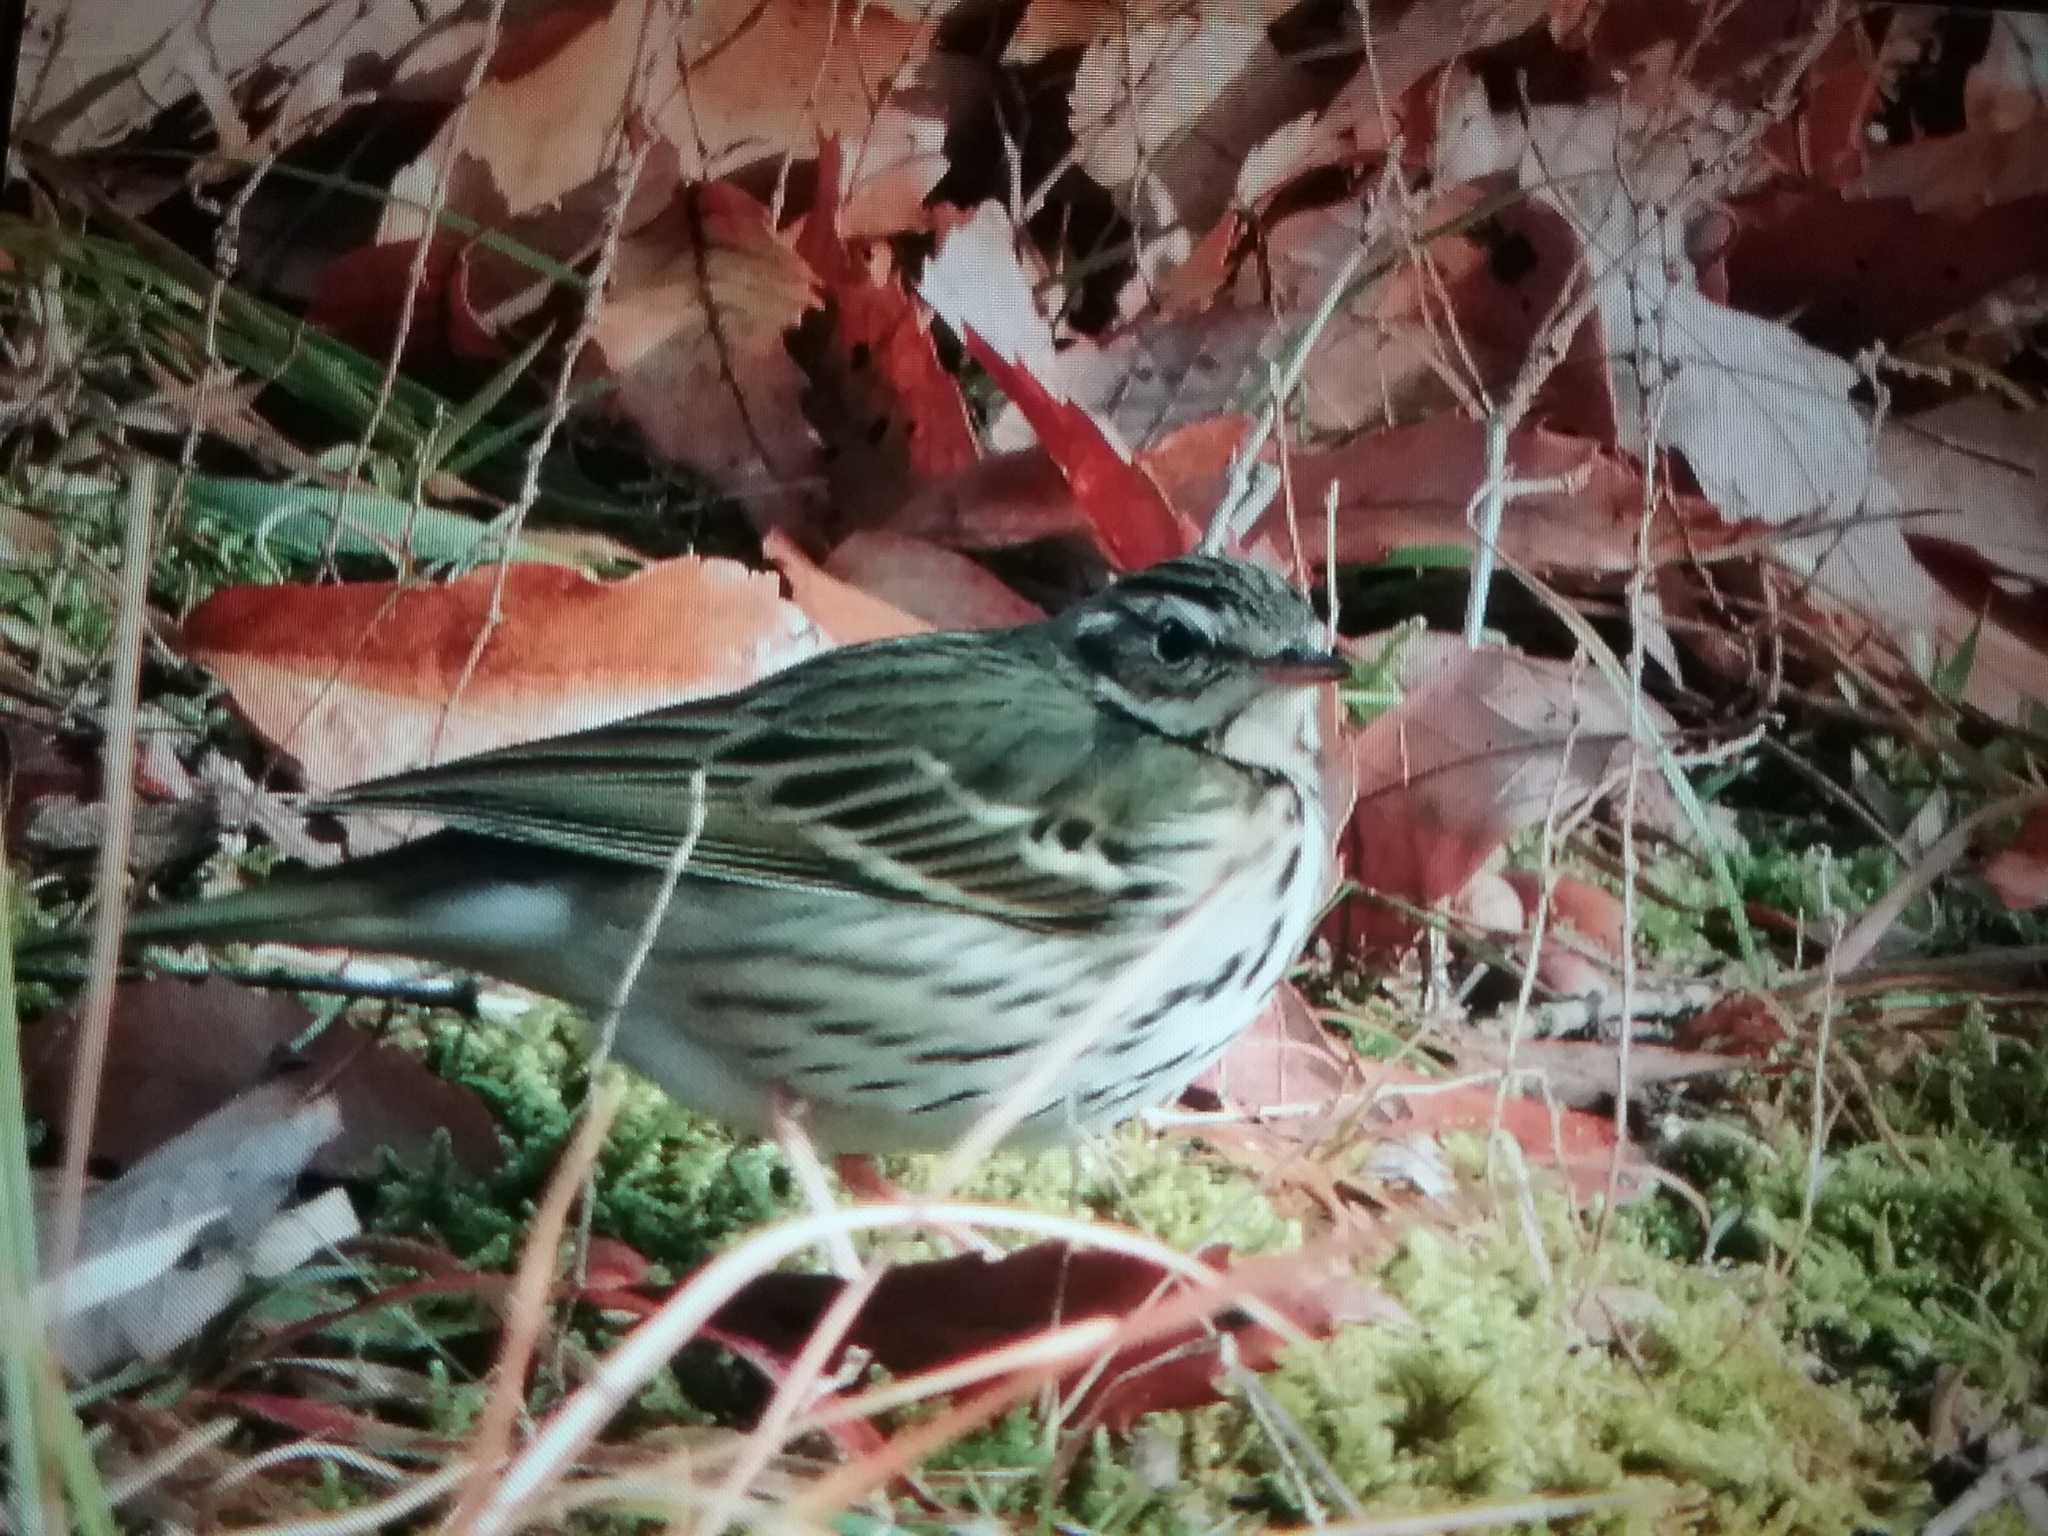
(1868, 931)
(527, 1305)
(124, 708)
(584, 1414)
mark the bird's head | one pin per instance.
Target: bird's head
(1208, 649)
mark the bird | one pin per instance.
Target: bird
(893, 871)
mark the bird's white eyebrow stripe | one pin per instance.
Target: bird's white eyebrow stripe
(1154, 606)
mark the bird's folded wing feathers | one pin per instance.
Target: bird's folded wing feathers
(823, 807)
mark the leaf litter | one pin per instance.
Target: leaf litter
(933, 319)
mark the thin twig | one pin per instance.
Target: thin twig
(124, 709)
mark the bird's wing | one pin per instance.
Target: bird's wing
(997, 806)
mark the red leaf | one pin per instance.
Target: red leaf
(945, 589)
(360, 296)
(846, 614)
(1814, 253)
(890, 416)
(1129, 514)
(2018, 872)
(927, 1315)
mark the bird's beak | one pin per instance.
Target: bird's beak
(1303, 665)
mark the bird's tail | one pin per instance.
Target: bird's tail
(369, 903)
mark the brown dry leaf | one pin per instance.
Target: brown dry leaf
(1582, 1073)
(1973, 475)
(926, 1315)
(978, 286)
(1005, 500)
(1285, 1059)
(1167, 113)
(1366, 115)
(1998, 154)
(940, 586)
(1764, 419)
(692, 329)
(472, 291)
(1414, 484)
(1050, 26)
(1577, 1143)
(178, 1051)
(732, 85)
(1491, 745)
(94, 71)
(359, 680)
(1585, 935)
(1807, 252)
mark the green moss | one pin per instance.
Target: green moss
(1674, 1379)
(1931, 1254)
(1159, 1184)
(671, 1183)
(1496, 1393)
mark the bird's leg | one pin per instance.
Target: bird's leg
(864, 1180)
(785, 1117)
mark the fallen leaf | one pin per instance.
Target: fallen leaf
(1578, 1144)
(691, 329)
(1808, 252)
(1414, 485)
(729, 86)
(1005, 500)
(1493, 744)
(940, 586)
(927, 1315)
(1585, 937)
(169, 1245)
(890, 417)
(843, 613)
(356, 302)
(977, 286)
(1585, 1073)
(178, 1050)
(360, 680)
(1973, 477)
(1285, 1059)
(1166, 113)
(2018, 872)
(94, 71)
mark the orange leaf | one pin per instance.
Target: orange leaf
(361, 680)
(846, 614)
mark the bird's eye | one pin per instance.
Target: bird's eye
(1174, 642)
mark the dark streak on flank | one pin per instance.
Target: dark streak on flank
(966, 1054)
(1288, 870)
(964, 1096)
(767, 1005)
(1271, 943)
